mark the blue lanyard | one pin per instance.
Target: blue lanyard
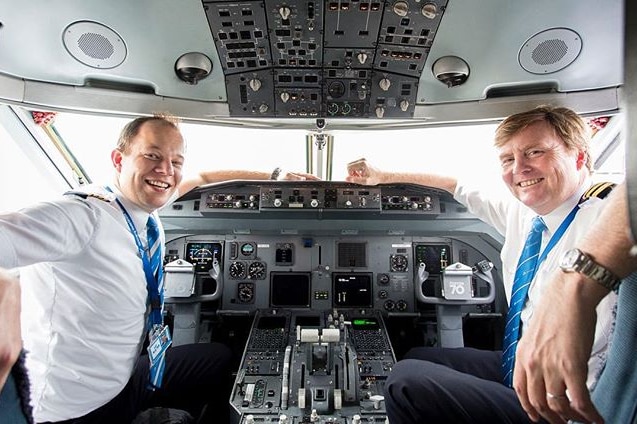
(557, 235)
(152, 282)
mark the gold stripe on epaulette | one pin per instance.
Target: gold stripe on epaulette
(106, 197)
(600, 190)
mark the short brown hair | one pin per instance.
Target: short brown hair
(567, 124)
(131, 129)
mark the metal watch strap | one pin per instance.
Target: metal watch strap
(600, 274)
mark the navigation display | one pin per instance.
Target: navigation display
(290, 289)
(353, 289)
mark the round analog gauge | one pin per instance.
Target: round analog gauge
(237, 270)
(245, 292)
(256, 271)
(398, 263)
(247, 249)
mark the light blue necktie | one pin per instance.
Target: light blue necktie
(156, 299)
(523, 276)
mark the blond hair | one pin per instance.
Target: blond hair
(566, 124)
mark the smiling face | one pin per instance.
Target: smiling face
(150, 167)
(539, 169)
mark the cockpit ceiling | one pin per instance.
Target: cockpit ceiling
(302, 60)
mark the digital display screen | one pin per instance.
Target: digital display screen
(353, 290)
(436, 257)
(308, 321)
(201, 255)
(290, 289)
(270, 322)
(365, 323)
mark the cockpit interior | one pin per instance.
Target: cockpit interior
(330, 282)
(319, 287)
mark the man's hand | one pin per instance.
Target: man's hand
(11, 341)
(551, 363)
(299, 176)
(361, 172)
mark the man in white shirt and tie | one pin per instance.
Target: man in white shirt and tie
(86, 291)
(546, 166)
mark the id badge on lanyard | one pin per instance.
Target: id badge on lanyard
(158, 333)
(160, 339)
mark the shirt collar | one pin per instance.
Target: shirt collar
(137, 214)
(554, 218)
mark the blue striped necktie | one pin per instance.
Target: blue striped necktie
(523, 276)
(155, 319)
(154, 246)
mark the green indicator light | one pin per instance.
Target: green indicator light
(364, 321)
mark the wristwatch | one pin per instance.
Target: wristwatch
(276, 174)
(574, 260)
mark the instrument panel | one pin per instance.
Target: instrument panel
(313, 367)
(319, 272)
(275, 195)
(322, 270)
(318, 245)
(323, 58)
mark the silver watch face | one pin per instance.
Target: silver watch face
(575, 260)
(570, 258)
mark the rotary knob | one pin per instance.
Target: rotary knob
(255, 84)
(401, 8)
(429, 10)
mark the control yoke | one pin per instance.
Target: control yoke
(180, 281)
(456, 284)
(457, 291)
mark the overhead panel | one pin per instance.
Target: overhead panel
(331, 59)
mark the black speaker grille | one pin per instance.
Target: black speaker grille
(95, 45)
(549, 52)
(351, 255)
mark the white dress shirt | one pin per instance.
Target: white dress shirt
(84, 299)
(512, 219)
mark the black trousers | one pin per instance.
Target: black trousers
(196, 376)
(15, 400)
(442, 385)
(11, 411)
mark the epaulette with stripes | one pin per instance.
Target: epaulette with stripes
(599, 190)
(106, 197)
